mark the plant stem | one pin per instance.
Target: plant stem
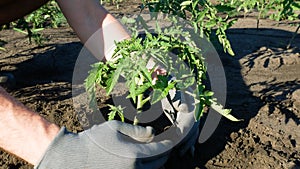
(139, 104)
(259, 16)
(139, 107)
(293, 37)
(257, 21)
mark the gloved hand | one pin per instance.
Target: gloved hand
(111, 145)
(186, 126)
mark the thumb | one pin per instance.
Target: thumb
(138, 133)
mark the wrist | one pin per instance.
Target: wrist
(19, 126)
(113, 32)
(44, 134)
(102, 43)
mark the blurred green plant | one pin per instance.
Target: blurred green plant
(2, 43)
(207, 19)
(277, 10)
(287, 10)
(274, 9)
(130, 61)
(111, 2)
(32, 33)
(49, 15)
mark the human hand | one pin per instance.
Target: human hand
(157, 71)
(110, 145)
(185, 128)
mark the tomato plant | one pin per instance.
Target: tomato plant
(203, 15)
(287, 9)
(273, 9)
(49, 15)
(132, 56)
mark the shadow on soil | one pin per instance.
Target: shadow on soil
(46, 76)
(240, 99)
(56, 65)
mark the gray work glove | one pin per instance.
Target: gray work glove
(184, 131)
(188, 129)
(111, 145)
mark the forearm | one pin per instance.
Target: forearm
(93, 24)
(23, 132)
(11, 10)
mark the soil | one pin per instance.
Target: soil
(263, 89)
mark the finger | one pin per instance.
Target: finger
(160, 71)
(138, 133)
(187, 101)
(154, 79)
(113, 136)
(157, 71)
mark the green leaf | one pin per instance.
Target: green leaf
(37, 30)
(195, 27)
(115, 110)
(160, 93)
(224, 112)
(91, 79)
(131, 84)
(111, 115)
(211, 24)
(143, 88)
(230, 51)
(158, 28)
(208, 93)
(185, 3)
(113, 81)
(146, 74)
(161, 82)
(198, 103)
(126, 20)
(1, 48)
(296, 6)
(156, 96)
(143, 22)
(195, 3)
(121, 115)
(199, 110)
(21, 31)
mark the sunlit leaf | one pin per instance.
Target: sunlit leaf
(185, 3)
(224, 112)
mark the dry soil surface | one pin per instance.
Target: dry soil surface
(263, 89)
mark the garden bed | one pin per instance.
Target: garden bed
(263, 83)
